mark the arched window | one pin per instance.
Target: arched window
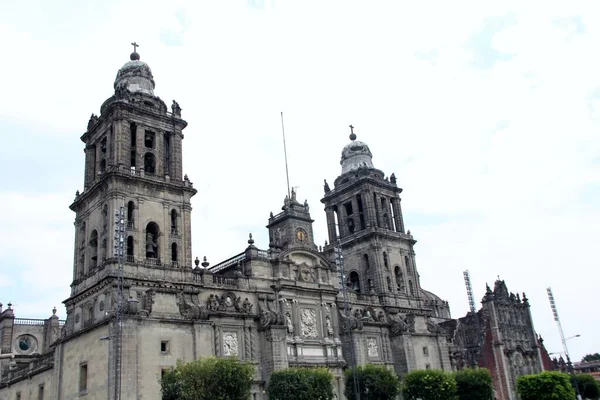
(174, 222)
(174, 254)
(354, 281)
(365, 262)
(130, 249)
(130, 215)
(152, 232)
(399, 278)
(94, 248)
(149, 163)
(386, 261)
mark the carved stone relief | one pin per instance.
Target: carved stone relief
(308, 321)
(372, 349)
(230, 344)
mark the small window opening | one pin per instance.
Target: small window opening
(365, 262)
(174, 222)
(18, 396)
(354, 281)
(130, 217)
(164, 346)
(425, 350)
(133, 133)
(130, 249)
(103, 145)
(174, 253)
(94, 248)
(386, 261)
(427, 366)
(149, 139)
(132, 161)
(152, 240)
(41, 392)
(83, 378)
(348, 207)
(389, 283)
(103, 166)
(149, 163)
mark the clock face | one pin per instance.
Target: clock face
(301, 235)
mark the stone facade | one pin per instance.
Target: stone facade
(499, 337)
(357, 300)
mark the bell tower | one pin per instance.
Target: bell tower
(133, 159)
(365, 217)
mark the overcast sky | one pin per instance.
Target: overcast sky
(489, 115)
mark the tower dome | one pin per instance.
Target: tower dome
(135, 76)
(355, 155)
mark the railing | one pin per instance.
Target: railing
(153, 261)
(263, 253)
(221, 281)
(130, 225)
(174, 231)
(29, 321)
(130, 258)
(228, 263)
(174, 264)
(45, 361)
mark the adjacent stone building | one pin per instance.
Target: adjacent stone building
(277, 307)
(499, 337)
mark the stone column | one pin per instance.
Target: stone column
(140, 149)
(177, 156)
(186, 235)
(369, 209)
(274, 350)
(342, 221)
(331, 225)
(356, 214)
(165, 242)
(378, 216)
(90, 162)
(398, 214)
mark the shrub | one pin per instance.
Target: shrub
(588, 386)
(545, 386)
(474, 384)
(301, 384)
(375, 382)
(429, 385)
(208, 379)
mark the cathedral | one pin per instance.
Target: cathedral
(139, 302)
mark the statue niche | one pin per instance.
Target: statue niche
(152, 234)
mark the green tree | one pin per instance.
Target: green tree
(474, 384)
(208, 379)
(429, 385)
(588, 386)
(301, 384)
(591, 357)
(548, 385)
(375, 382)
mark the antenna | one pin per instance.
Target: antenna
(555, 314)
(287, 174)
(467, 277)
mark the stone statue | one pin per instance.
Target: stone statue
(393, 178)
(212, 303)
(289, 324)
(306, 205)
(328, 326)
(176, 109)
(93, 120)
(326, 186)
(247, 306)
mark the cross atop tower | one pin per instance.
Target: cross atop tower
(135, 46)
(352, 134)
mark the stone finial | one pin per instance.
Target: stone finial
(197, 262)
(1, 307)
(77, 194)
(408, 232)
(9, 305)
(205, 263)
(54, 311)
(250, 240)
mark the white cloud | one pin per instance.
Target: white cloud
(495, 162)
